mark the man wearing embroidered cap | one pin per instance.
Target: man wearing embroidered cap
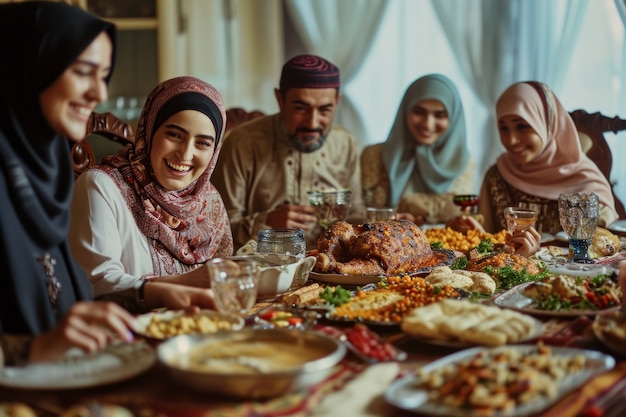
(268, 165)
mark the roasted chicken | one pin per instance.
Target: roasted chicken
(388, 247)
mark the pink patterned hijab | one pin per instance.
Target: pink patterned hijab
(189, 225)
(561, 166)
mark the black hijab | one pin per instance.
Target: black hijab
(38, 42)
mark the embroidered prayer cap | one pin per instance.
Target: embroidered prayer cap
(309, 71)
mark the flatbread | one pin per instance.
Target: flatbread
(465, 321)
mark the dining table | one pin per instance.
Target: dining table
(155, 393)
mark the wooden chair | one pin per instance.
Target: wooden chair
(236, 116)
(591, 127)
(104, 125)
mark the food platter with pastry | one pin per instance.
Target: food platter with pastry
(564, 295)
(610, 329)
(357, 255)
(603, 243)
(507, 269)
(511, 381)
(387, 302)
(162, 325)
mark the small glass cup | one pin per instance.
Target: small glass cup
(578, 215)
(332, 206)
(519, 219)
(235, 283)
(374, 214)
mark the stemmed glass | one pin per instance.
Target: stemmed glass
(235, 283)
(578, 214)
(332, 206)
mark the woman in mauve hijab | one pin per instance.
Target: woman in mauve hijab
(425, 160)
(57, 61)
(542, 159)
(150, 215)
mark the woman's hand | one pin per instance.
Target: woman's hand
(464, 223)
(408, 216)
(176, 297)
(526, 243)
(89, 326)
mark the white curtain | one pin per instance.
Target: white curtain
(342, 32)
(621, 8)
(499, 42)
(236, 45)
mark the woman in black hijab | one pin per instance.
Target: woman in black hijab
(57, 61)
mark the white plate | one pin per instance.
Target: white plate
(562, 236)
(143, 321)
(515, 300)
(618, 226)
(579, 270)
(117, 362)
(547, 237)
(405, 394)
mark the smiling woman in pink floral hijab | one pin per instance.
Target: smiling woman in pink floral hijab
(150, 212)
(543, 158)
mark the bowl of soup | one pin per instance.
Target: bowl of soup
(251, 363)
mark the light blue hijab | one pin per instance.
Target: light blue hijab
(431, 168)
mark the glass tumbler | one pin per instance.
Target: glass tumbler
(235, 284)
(332, 206)
(374, 214)
(519, 219)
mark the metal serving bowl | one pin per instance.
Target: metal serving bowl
(254, 383)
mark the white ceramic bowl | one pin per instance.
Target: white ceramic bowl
(278, 272)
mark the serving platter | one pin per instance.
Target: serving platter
(117, 362)
(600, 326)
(358, 280)
(516, 300)
(405, 393)
(227, 322)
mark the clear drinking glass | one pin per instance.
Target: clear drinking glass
(235, 284)
(579, 214)
(374, 214)
(332, 206)
(519, 219)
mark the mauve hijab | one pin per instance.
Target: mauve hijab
(191, 224)
(561, 166)
(431, 169)
(38, 42)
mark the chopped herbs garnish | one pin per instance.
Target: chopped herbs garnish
(336, 295)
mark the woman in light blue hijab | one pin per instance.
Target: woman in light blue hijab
(425, 160)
